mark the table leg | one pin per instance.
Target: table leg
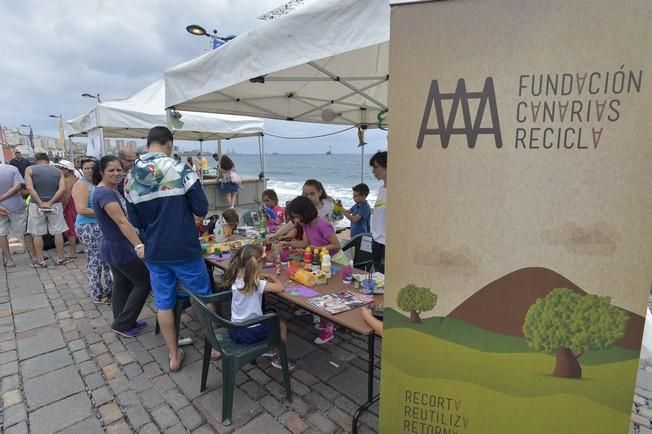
(371, 399)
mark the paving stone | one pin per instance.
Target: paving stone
(12, 397)
(110, 413)
(20, 428)
(317, 401)
(263, 423)
(124, 358)
(111, 371)
(10, 368)
(254, 390)
(150, 428)
(118, 428)
(45, 363)
(176, 429)
(152, 370)
(98, 348)
(46, 341)
(272, 405)
(210, 407)
(293, 422)
(326, 391)
(132, 370)
(93, 381)
(141, 383)
(346, 405)
(119, 385)
(128, 398)
(8, 356)
(86, 426)
(321, 423)
(81, 356)
(87, 367)
(52, 386)
(7, 345)
(341, 418)
(102, 395)
(258, 376)
(190, 418)
(33, 319)
(10, 382)
(176, 399)
(305, 377)
(20, 304)
(318, 363)
(164, 383)
(352, 383)
(300, 406)
(14, 414)
(137, 416)
(204, 429)
(189, 378)
(142, 357)
(152, 398)
(77, 345)
(299, 388)
(60, 414)
(165, 417)
(104, 359)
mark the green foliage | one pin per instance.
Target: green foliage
(414, 298)
(582, 323)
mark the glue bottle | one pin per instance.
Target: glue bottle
(315, 260)
(326, 264)
(307, 259)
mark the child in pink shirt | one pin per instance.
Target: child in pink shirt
(275, 212)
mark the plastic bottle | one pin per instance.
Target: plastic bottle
(315, 260)
(307, 259)
(326, 265)
(347, 273)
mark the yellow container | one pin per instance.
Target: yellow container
(304, 277)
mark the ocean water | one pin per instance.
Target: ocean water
(287, 173)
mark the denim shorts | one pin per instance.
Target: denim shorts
(192, 275)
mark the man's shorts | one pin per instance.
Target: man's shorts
(41, 223)
(14, 224)
(192, 275)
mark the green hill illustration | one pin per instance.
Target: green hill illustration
(503, 344)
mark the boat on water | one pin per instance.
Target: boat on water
(330, 150)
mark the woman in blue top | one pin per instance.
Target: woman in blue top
(100, 282)
(121, 248)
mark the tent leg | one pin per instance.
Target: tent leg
(362, 164)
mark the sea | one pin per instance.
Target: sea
(286, 173)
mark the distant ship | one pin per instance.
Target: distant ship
(330, 151)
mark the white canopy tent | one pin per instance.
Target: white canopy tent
(134, 116)
(328, 61)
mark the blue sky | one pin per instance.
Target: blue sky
(54, 51)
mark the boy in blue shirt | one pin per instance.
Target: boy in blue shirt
(360, 213)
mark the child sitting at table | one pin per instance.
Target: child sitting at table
(319, 233)
(360, 213)
(231, 218)
(248, 285)
(275, 212)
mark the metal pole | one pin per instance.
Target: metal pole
(261, 140)
(201, 169)
(362, 164)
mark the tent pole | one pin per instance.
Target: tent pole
(219, 148)
(362, 164)
(201, 152)
(261, 142)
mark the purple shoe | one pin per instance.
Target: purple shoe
(129, 333)
(140, 324)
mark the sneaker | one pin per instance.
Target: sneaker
(316, 319)
(140, 324)
(277, 364)
(301, 312)
(322, 326)
(129, 333)
(270, 354)
(325, 336)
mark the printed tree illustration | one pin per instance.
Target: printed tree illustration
(415, 300)
(569, 324)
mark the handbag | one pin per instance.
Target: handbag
(234, 177)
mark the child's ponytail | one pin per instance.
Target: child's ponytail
(244, 264)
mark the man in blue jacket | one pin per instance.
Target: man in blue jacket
(164, 201)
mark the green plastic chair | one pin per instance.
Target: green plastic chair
(234, 356)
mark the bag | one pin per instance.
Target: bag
(218, 230)
(234, 177)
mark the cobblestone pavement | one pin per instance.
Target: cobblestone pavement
(64, 370)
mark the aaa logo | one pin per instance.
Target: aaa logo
(460, 107)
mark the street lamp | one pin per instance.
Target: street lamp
(88, 95)
(30, 135)
(197, 30)
(62, 135)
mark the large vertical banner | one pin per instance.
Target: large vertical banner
(519, 259)
(95, 142)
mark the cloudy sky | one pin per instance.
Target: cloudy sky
(53, 51)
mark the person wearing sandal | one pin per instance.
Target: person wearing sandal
(13, 216)
(100, 282)
(46, 185)
(163, 200)
(120, 247)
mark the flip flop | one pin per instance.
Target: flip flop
(40, 264)
(62, 261)
(182, 355)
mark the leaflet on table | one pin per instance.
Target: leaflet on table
(339, 302)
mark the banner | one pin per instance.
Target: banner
(95, 142)
(519, 258)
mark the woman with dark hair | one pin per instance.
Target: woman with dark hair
(99, 274)
(121, 248)
(230, 180)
